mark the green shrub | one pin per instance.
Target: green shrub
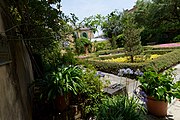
(91, 94)
(106, 52)
(104, 45)
(177, 39)
(120, 108)
(159, 52)
(165, 61)
(109, 57)
(166, 48)
(112, 67)
(161, 63)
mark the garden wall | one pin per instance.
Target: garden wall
(10, 103)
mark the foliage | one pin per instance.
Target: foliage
(120, 108)
(91, 92)
(112, 26)
(160, 18)
(160, 85)
(104, 45)
(165, 61)
(113, 56)
(94, 22)
(176, 39)
(81, 44)
(159, 52)
(138, 58)
(39, 23)
(131, 32)
(161, 63)
(55, 58)
(114, 51)
(61, 82)
(113, 67)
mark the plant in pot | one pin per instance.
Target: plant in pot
(59, 85)
(160, 89)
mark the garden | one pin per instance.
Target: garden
(73, 87)
(69, 69)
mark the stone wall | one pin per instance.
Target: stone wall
(10, 103)
(15, 76)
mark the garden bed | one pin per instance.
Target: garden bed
(161, 63)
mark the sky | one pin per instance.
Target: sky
(86, 8)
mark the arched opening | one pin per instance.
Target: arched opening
(84, 34)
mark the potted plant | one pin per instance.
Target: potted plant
(58, 85)
(160, 89)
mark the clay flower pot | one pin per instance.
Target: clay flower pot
(62, 102)
(156, 107)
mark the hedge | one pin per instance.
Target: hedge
(165, 48)
(112, 67)
(105, 57)
(165, 61)
(109, 56)
(161, 63)
(106, 52)
(159, 52)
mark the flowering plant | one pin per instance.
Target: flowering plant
(128, 72)
(141, 95)
(160, 85)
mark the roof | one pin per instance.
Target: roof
(84, 29)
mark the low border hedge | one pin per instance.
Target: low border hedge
(159, 52)
(106, 52)
(161, 63)
(109, 56)
(165, 61)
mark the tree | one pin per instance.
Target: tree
(160, 18)
(39, 23)
(112, 26)
(131, 32)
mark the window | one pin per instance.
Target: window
(84, 34)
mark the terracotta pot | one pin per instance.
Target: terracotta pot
(156, 107)
(62, 102)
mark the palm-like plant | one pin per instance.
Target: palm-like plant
(121, 108)
(60, 82)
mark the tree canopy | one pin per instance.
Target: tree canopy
(161, 19)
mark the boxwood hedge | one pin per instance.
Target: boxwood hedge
(109, 56)
(161, 63)
(106, 52)
(159, 52)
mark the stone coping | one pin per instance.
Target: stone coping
(5, 62)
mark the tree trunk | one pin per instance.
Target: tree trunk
(132, 58)
(86, 50)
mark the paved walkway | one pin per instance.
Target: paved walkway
(173, 108)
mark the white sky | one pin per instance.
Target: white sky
(86, 8)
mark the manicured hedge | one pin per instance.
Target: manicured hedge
(161, 63)
(109, 56)
(106, 52)
(165, 61)
(159, 52)
(112, 67)
(165, 48)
